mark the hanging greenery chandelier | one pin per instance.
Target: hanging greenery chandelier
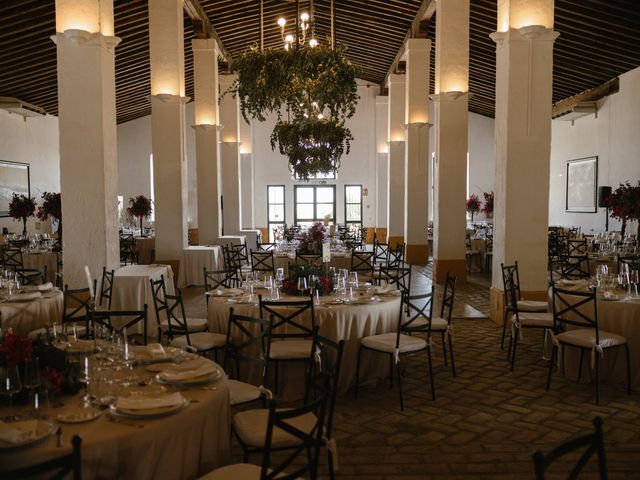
(312, 89)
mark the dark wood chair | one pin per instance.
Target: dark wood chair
(56, 468)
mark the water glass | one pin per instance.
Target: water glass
(10, 384)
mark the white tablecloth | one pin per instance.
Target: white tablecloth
(132, 289)
(336, 322)
(39, 260)
(252, 237)
(232, 239)
(194, 259)
(24, 317)
(185, 445)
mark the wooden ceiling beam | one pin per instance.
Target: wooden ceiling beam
(591, 95)
(203, 27)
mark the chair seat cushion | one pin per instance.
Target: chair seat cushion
(241, 392)
(586, 338)
(194, 324)
(533, 319)
(201, 341)
(251, 428)
(386, 342)
(532, 306)
(238, 471)
(439, 324)
(290, 349)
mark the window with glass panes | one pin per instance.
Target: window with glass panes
(353, 204)
(275, 208)
(314, 203)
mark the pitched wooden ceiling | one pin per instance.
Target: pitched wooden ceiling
(599, 40)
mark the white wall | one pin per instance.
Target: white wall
(33, 141)
(613, 137)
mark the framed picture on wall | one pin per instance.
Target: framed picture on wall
(14, 178)
(582, 185)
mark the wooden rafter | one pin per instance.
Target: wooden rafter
(202, 26)
(591, 95)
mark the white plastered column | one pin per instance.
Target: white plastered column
(382, 159)
(246, 173)
(87, 130)
(524, 73)
(205, 68)
(166, 48)
(230, 157)
(451, 100)
(396, 163)
(416, 169)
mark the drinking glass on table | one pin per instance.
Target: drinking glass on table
(10, 384)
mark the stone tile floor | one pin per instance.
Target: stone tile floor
(486, 422)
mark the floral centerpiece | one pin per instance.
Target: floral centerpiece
(311, 241)
(487, 208)
(22, 207)
(624, 203)
(323, 281)
(51, 207)
(473, 205)
(140, 207)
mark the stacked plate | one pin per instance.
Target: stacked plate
(143, 406)
(190, 374)
(225, 292)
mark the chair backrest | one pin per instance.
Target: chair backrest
(510, 280)
(308, 440)
(76, 304)
(240, 252)
(214, 279)
(592, 443)
(575, 266)
(577, 308)
(127, 248)
(262, 261)
(129, 318)
(448, 297)
(266, 246)
(176, 318)
(302, 259)
(246, 343)
(380, 252)
(56, 468)
(577, 246)
(395, 256)
(417, 307)
(232, 264)
(400, 277)
(32, 277)
(362, 262)
(287, 321)
(106, 286)
(12, 257)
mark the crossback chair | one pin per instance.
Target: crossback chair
(32, 276)
(215, 279)
(592, 443)
(400, 277)
(289, 433)
(266, 246)
(443, 324)
(395, 256)
(577, 246)
(246, 344)
(129, 319)
(161, 306)
(362, 264)
(471, 253)
(579, 309)
(77, 305)
(290, 335)
(576, 266)
(488, 254)
(304, 259)
(380, 253)
(180, 333)
(262, 262)
(511, 278)
(106, 287)
(12, 257)
(56, 468)
(233, 266)
(401, 343)
(241, 254)
(128, 251)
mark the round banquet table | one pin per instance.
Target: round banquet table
(184, 445)
(24, 317)
(337, 322)
(38, 260)
(337, 261)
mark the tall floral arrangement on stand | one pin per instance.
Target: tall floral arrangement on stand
(487, 208)
(51, 207)
(22, 207)
(140, 207)
(624, 203)
(473, 205)
(311, 240)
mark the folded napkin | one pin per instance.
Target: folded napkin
(26, 296)
(18, 432)
(567, 282)
(155, 350)
(144, 402)
(610, 296)
(226, 292)
(45, 287)
(179, 375)
(385, 290)
(243, 299)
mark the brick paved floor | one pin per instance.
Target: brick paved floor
(486, 422)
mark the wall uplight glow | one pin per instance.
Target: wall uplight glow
(93, 16)
(523, 13)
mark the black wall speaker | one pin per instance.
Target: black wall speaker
(603, 193)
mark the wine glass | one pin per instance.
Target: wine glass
(10, 384)
(302, 284)
(31, 379)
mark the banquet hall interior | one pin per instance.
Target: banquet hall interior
(377, 239)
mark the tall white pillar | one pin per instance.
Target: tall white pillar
(451, 101)
(166, 48)
(230, 158)
(205, 76)
(382, 159)
(524, 74)
(87, 129)
(246, 174)
(416, 174)
(396, 164)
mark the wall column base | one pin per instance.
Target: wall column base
(456, 268)
(417, 254)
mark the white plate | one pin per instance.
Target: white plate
(79, 415)
(149, 413)
(332, 302)
(610, 298)
(43, 430)
(192, 382)
(242, 301)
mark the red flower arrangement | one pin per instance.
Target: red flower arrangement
(624, 203)
(22, 207)
(473, 205)
(487, 208)
(53, 378)
(311, 240)
(51, 207)
(16, 349)
(140, 207)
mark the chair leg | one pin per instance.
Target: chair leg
(597, 379)
(444, 349)
(433, 387)
(504, 327)
(391, 372)
(355, 390)
(554, 354)
(580, 364)
(275, 387)
(515, 345)
(330, 464)
(453, 362)
(626, 347)
(399, 384)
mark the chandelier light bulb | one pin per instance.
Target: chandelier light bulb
(313, 43)
(288, 38)
(282, 22)
(304, 17)
(286, 46)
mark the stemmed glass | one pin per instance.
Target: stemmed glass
(302, 284)
(279, 280)
(250, 282)
(10, 384)
(31, 380)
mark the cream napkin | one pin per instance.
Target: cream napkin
(176, 375)
(144, 402)
(568, 283)
(385, 290)
(22, 297)
(18, 432)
